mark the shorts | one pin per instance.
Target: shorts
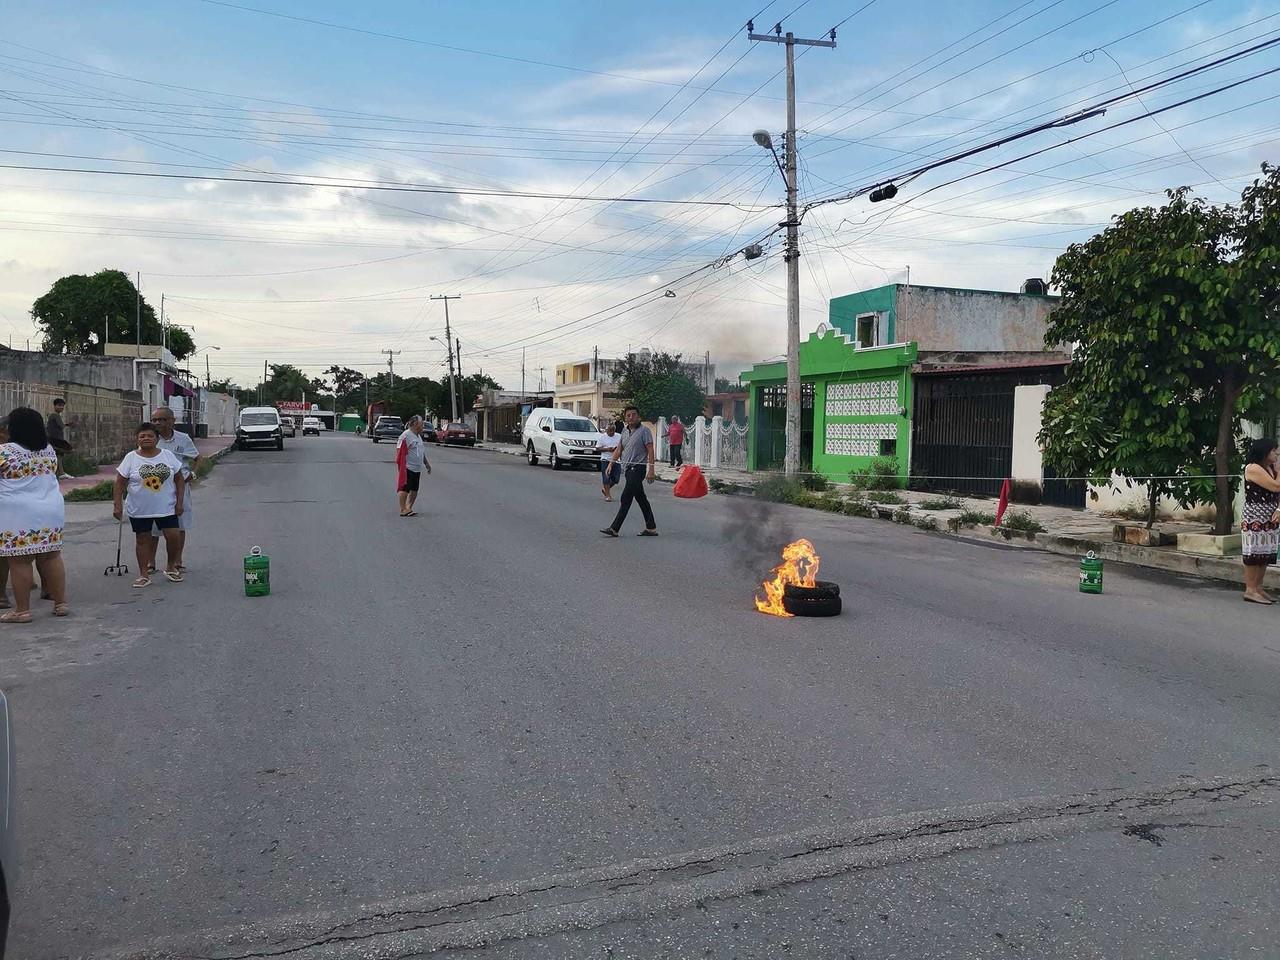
(144, 524)
(411, 480)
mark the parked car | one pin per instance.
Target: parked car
(8, 798)
(432, 433)
(387, 428)
(311, 425)
(259, 427)
(458, 434)
(562, 437)
(287, 428)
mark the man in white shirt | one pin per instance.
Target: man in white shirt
(184, 448)
(411, 457)
(610, 472)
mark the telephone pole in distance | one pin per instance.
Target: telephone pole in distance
(448, 343)
(391, 369)
(792, 223)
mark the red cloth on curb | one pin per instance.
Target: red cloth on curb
(692, 484)
(402, 469)
(1004, 502)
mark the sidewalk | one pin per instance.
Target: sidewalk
(211, 447)
(1068, 532)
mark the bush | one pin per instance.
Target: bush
(205, 468)
(1021, 521)
(857, 508)
(885, 496)
(927, 523)
(902, 515)
(99, 491)
(976, 518)
(816, 482)
(881, 475)
(830, 504)
(940, 503)
(776, 488)
(77, 465)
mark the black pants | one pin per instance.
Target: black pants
(633, 478)
(677, 454)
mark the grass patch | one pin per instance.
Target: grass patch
(98, 492)
(1022, 521)
(205, 468)
(940, 503)
(776, 488)
(815, 482)
(976, 518)
(881, 475)
(885, 497)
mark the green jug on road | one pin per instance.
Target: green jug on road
(1091, 573)
(257, 574)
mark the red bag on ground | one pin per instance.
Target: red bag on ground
(1004, 502)
(692, 484)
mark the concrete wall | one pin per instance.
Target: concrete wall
(1028, 414)
(941, 318)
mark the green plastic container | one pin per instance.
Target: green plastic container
(257, 574)
(1091, 573)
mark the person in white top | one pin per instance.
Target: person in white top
(411, 458)
(610, 472)
(155, 484)
(184, 448)
(32, 515)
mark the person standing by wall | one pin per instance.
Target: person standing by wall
(675, 441)
(1260, 521)
(32, 515)
(411, 458)
(635, 453)
(56, 428)
(610, 472)
(156, 487)
(184, 448)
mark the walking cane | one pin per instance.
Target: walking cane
(120, 568)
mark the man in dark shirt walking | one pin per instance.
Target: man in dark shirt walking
(57, 431)
(635, 453)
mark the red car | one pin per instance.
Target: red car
(457, 434)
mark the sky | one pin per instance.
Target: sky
(631, 124)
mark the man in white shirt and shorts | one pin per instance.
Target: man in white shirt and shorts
(184, 448)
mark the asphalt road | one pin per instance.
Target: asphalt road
(489, 732)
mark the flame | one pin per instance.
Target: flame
(799, 566)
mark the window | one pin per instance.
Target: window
(888, 448)
(867, 330)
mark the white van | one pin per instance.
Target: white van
(259, 427)
(562, 436)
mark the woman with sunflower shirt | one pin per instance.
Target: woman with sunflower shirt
(155, 484)
(32, 515)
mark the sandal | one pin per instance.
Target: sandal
(647, 533)
(61, 609)
(13, 616)
(142, 582)
(173, 576)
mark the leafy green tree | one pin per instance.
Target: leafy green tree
(658, 385)
(287, 382)
(1173, 316)
(79, 309)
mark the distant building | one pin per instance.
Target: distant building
(587, 387)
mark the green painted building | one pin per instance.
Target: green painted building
(856, 405)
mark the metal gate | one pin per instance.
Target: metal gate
(962, 433)
(770, 427)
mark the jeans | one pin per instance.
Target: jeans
(677, 454)
(634, 490)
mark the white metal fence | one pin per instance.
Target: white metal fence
(713, 444)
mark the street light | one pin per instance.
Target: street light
(208, 378)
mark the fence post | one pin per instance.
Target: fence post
(717, 435)
(660, 452)
(699, 427)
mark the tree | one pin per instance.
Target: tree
(725, 385)
(657, 384)
(287, 382)
(223, 386)
(1173, 317)
(79, 310)
(348, 388)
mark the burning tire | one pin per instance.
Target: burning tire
(822, 589)
(825, 606)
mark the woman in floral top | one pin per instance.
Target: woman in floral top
(32, 515)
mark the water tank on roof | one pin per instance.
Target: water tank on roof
(1035, 286)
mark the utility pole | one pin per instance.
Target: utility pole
(541, 381)
(263, 383)
(391, 368)
(706, 371)
(164, 331)
(208, 377)
(792, 255)
(138, 318)
(458, 353)
(522, 374)
(448, 343)
(106, 334)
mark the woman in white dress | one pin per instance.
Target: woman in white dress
(32, 515)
